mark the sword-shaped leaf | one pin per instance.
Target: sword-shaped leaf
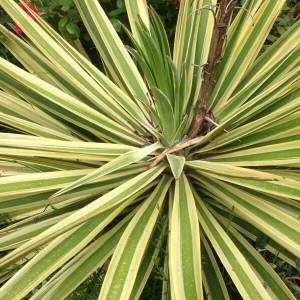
(184, 244)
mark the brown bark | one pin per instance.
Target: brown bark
(222, 19)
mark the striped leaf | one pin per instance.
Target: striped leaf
(184, 245)
(114, 165)
(235, 263)
(133, 245)
(112, 50)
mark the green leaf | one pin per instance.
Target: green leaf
(213, 280)
(276, 154)
(115, 12)
(235, 263)
(191, 47)
(92, 94)
(112, 50)
(86, 262)
(73, 28)
(120, 4)
(272, 282)
(119, 162)
(65, 2)
(184, 244)
(107, 201)
(268, 217)
(127, 257)
(167, 120)
(65, 246)
(243, 47)
(280, 30)
(176, 164)
(137, 11)
(276, 61)
(63, 21)
(58, 102)
(256, 180)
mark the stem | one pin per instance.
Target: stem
(209, 70)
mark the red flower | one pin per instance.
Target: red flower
(30, 14)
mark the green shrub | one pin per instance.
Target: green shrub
(180, 163)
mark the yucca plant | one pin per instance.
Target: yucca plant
(186, 161)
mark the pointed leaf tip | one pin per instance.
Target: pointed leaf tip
(176, 164)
